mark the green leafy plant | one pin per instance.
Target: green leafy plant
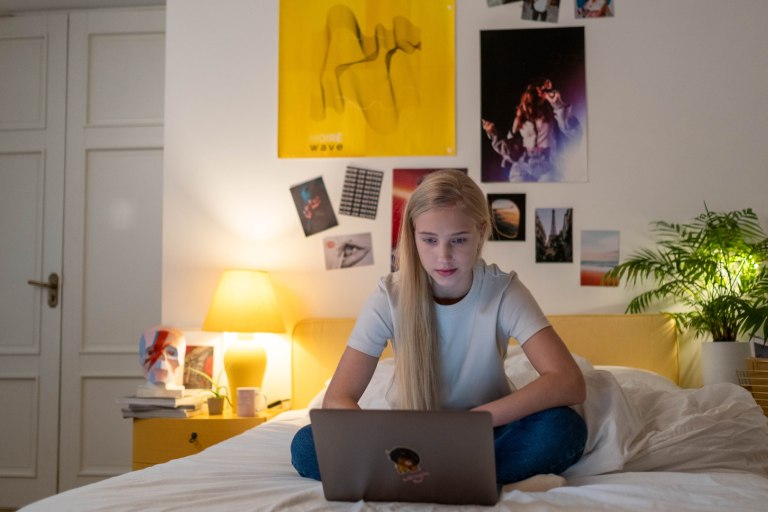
(217, 390)
(715, 265)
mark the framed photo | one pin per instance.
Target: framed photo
(508, 212)
(204, 354)
(554, 235)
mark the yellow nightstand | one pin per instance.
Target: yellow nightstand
(159, 440)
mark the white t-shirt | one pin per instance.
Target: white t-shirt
(473, 333)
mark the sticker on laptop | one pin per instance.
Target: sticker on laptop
(407, 463)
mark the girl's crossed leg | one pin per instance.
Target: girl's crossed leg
(548, 441)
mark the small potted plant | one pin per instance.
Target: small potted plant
(716, 267)
(219, 394)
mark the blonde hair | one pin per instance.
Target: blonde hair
(417, 363)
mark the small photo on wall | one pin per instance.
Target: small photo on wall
(554, 235)
(594, 8)
(313, 206)
(360, 196)
(541, 10)
(508, 215)
(496, 3)
(346, 251)
(599, 254)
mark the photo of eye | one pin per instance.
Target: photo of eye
(313, 206)
(346, 251)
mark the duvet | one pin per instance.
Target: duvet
(651, 446)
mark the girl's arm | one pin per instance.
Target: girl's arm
(560, 383)
(350, 380)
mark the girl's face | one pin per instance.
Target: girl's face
(447, 241)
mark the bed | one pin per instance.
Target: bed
(651, 446)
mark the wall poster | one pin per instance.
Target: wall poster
(534, 105)
(360, 78)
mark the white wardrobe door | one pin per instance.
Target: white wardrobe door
(33, 66)
(113, 239)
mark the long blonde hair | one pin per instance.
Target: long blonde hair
(417, 363)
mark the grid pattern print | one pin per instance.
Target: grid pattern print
(360, 197)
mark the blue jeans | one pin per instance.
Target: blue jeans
(548, 441)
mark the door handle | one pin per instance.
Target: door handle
(53, 289)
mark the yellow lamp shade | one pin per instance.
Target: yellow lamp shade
(244, 302)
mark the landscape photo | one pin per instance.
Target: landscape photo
(508, 215)
(599, 254)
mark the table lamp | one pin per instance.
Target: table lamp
(244, 303)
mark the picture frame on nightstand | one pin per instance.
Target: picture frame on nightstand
(204, 353)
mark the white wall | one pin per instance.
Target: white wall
(677, 114)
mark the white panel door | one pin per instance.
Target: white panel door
(112, 232)
(33, 67)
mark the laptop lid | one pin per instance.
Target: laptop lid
(417, 456)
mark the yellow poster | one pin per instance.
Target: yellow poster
(366, 78)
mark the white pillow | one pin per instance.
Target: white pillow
(521, 372)
(375, 394)
(627, 376)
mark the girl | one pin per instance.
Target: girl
(450, 316)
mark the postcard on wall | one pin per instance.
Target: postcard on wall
(496, 3)
(554, 235)
(599, 254)
(313, 206)
(508, 216)
(360, 196)
(541, 10)
(404, 182)
(346, 251)
(594, 8)
(533, 124)
(360, 78)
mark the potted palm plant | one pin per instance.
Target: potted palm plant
(716, 267)
(218, 394)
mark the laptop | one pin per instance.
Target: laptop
(417, 456)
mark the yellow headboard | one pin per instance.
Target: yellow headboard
(648, 342)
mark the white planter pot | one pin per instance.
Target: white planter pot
(721, 359)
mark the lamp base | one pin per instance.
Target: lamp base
(245, 364)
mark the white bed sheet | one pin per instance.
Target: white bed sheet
(253, 472)
(665, 449)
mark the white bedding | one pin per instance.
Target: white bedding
(665, 449)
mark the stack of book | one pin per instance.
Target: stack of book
(162, 407)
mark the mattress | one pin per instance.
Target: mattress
(652, 446)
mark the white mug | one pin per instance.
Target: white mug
(247, 401)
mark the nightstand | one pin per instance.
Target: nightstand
(159, 440)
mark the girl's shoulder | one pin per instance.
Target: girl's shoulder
(492, 272)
